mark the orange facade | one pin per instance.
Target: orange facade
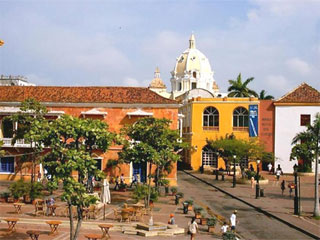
(116, 114)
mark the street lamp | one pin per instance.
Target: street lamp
(257, 176)
(234, 171)
(296, 198)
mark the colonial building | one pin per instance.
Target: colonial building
(116, 106)
(293, 112)
(14, 81)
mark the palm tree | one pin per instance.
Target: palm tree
(240, 89)
(311, 136)
(263, 96)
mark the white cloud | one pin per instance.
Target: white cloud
(132, 82)
(298, 65)
(252, 15)
(277, 82)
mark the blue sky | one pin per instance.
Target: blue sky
(121, 42)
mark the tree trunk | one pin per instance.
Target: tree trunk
(149, 184)
(76, 234)
(316, 211)
(71, 220)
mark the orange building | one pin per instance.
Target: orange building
(117, 106)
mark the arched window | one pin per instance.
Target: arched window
(210, 119)
(240, 118)
(208, 157)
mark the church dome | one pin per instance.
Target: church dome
(192, 60)
(157, 81)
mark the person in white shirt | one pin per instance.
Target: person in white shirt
(224, 228)
(193, 228)
(233, 220)
(270, 168)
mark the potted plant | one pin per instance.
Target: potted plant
(211, 222)
(5, 196)
(197, 212)
(203, 220)
(174, 191)
(18, 189)
(190, 204)
(178, 196)
(229, 236)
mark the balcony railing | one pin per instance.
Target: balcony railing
(19, 143)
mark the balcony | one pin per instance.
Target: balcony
(19, 143)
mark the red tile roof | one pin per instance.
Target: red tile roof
(82, 94)
(302, 94)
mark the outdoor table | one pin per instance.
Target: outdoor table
(52, 209)
(11, 223)
(105, 229)
(18, 206)
(34, 235)
(127, 213)
(53, 226)
(92, 236)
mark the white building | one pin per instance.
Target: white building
(14, 81)
(192, 70)
(293, 112)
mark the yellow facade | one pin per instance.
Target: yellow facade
(197, 135)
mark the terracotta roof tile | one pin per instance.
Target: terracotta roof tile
(302, 94)
(82, 94)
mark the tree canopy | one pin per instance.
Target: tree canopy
(238, 88)
(71, 141)
(263, 95)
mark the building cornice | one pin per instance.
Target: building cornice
(296, 104)
(100, 105)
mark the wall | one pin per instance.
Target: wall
(287, 125)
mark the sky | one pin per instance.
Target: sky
(120, 43)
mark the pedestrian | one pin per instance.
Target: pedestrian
(228, 168)
(270, 168)
(193, 228)
(283, 186)
(122, 179)
(252, 182)
(171, 219)
(251, 168)
(224, 228)
(278, 173)
(134, 180)
(39, 176)
(117, 183)
(233, 220)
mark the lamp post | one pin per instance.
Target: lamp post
(257, 185)
(234, 171)
(296, 198)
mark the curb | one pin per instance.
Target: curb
(256, 208)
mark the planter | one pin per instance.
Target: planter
(3, 200)
(305, 173)
(245, 181)
(190, 208)
(197, 215)
(203, 221)
(211, 229)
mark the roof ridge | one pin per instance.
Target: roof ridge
(295, 95)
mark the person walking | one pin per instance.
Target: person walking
(233, 220)
(134, 180)
(283, 186)
(224, 228)
(117, 183)
(270, 168)
(278, 173)
(193, 228)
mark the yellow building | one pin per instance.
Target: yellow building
(211, 118)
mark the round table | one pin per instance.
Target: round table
(105, 229)
(18, 206)
(53, 226)
(52, 210)
(11, 223)
(92, 236)
(34, 235)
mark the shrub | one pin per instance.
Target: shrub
(163, 182)
(154, 194)
(180, 194)
(190, 202)
(212, 221)
(229, 236)
(140, 192)
(198, 209)
(174, 190)
(19, 189)
(250, 174)
(304, 168)
(35, 190)
(5, 195)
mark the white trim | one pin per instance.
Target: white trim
(93, 111)
(139, 112)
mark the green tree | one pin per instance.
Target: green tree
(151, 141)
(263, 96)
(307, 148)
(31, 125)
(72, 141)
(238, 88)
